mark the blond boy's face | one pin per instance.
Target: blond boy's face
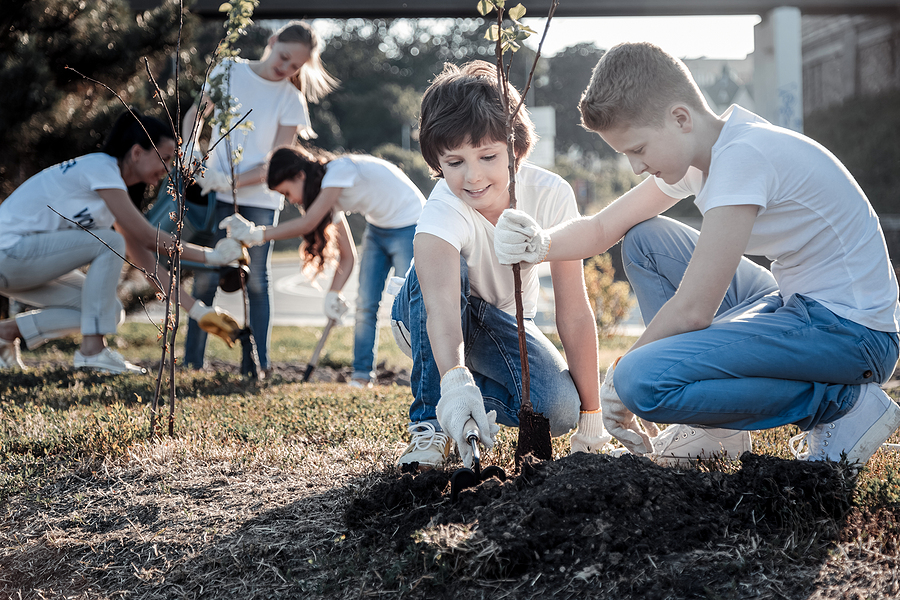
(479, 176)
(660, 151)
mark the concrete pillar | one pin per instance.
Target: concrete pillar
(778, 68)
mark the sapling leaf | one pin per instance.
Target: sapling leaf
(485, 7)
(516, 12)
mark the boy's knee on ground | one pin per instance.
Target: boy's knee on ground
(632, 390)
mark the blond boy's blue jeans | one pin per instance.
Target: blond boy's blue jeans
(765, 361)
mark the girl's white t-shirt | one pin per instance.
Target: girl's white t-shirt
(70, 189)
(546, 196)
(376, 188)
(270, 104)
(814, 223)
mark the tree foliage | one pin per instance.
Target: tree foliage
(49, 111)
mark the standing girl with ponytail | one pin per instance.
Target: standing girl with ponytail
(276, 88)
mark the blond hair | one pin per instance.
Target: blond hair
(313, 81)
(634, 85)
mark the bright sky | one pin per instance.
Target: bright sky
(684, 37)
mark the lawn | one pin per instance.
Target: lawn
(283, 489)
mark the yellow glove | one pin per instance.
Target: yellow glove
(215, 321)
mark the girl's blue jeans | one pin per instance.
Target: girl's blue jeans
(381, 249)
(765, 361)
(491, 342)
(259, 290)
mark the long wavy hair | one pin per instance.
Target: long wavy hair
(313, 81)
(319, 248)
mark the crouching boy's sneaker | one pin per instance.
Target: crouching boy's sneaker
(858, 434)
(428, 448)
(107, 361)
(681, 444)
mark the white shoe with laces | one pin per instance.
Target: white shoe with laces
(428, 447)
(107, 361)
(858, 434)
(681, 444)
(10, 355)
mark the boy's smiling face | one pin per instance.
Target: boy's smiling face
(662, 151)
(479, 176)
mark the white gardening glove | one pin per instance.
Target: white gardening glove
(226, 251)
(590, 435)
(246, 232)
(518, 238)
(460, 401)
(620, 422)
(335, 306)
(211, 179)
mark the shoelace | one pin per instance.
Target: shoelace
(802, 449)
(424, 435)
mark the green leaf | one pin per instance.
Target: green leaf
(485, 7)
(527, 28)
(224, 7)
(516, 12)
(493, 33)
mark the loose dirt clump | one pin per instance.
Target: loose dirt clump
(593, 526)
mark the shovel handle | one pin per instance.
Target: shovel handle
(472, 436)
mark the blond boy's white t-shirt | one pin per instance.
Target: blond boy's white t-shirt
(545, 196)
(814, 223)
(375, 188)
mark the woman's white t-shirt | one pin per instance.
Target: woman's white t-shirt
(547, 197)
(814, 223)
(70, 189)
(273, 103)
(375, 188)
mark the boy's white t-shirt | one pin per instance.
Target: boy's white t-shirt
(70, 188)
(376, 188)
(814, 223)
(273, 103)
(545, 196)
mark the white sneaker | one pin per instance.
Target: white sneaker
(10, 355)
(361, 384)
(107, 361)
(681, 444)
(428, 448)
(858, 434)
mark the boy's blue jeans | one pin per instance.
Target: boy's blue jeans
(259, 292)
(765, 361)
(491, 343)
(381, 249)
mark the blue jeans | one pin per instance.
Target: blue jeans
(765, 361)
(381, 250)
(259, 290)
(491, 341)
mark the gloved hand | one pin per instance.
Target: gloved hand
(246, 232)
(335, 306)
(226, 251)
(590, 435)
(215, 321)
(460, 401)
(212, 179)
(620, 422)
(518, 238)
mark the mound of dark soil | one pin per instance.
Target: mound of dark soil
(596, 526)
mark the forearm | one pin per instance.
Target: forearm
(578, 334)
(446, 341)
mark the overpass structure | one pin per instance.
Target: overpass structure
(778, 64)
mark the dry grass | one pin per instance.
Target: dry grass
(248, 500)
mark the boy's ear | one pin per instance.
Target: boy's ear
(683, 118)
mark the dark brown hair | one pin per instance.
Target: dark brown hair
(464, 105)
(319, 246)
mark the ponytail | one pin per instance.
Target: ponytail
(313, 81)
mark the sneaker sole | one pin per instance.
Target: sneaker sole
(881, 430)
